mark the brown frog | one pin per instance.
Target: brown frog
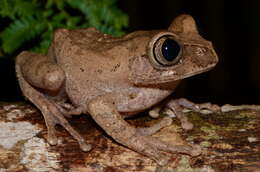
(112, 78)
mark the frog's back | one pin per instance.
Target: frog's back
(96, 63)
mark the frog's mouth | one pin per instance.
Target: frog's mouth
(198, 72)
(165, 77)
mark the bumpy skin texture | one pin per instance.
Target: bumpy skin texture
(111, 78)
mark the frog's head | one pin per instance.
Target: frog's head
(174, 54)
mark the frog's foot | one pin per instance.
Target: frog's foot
(175, 108)
(157, 150)
(104, 112)
(53, 116)
(193, 150)
(146, 131)
(198, 107)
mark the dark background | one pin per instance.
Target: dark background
(232, 26)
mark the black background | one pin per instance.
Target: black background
(232, 26)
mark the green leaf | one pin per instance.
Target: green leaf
(60, 4)
(73, 21)
(102, 14)
(27, 20)
(19, 32)
(6, 9)
(24, 8)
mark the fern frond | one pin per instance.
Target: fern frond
(102, 15)
(6, 9)
(17, 8)
(24, 8)
(28, 19)
(20, 31)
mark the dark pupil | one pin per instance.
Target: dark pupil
(170, 49)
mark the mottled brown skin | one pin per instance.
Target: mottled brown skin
(111, 78)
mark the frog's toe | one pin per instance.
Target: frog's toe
(187, 125)
(85, 147)
(211, 107)
(52, 139)
(196, 150)
(166, 121)
(154, 113)
(162, 161)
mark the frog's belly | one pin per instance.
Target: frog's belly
(128, 98)
(144, 99)
(127, 101)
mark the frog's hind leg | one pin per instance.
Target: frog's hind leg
(38, 64)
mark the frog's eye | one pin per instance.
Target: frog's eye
(166, 51)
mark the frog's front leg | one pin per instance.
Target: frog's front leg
(166, 121)
(35, 70)
(104, 112)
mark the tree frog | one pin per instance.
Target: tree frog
(112, 78)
